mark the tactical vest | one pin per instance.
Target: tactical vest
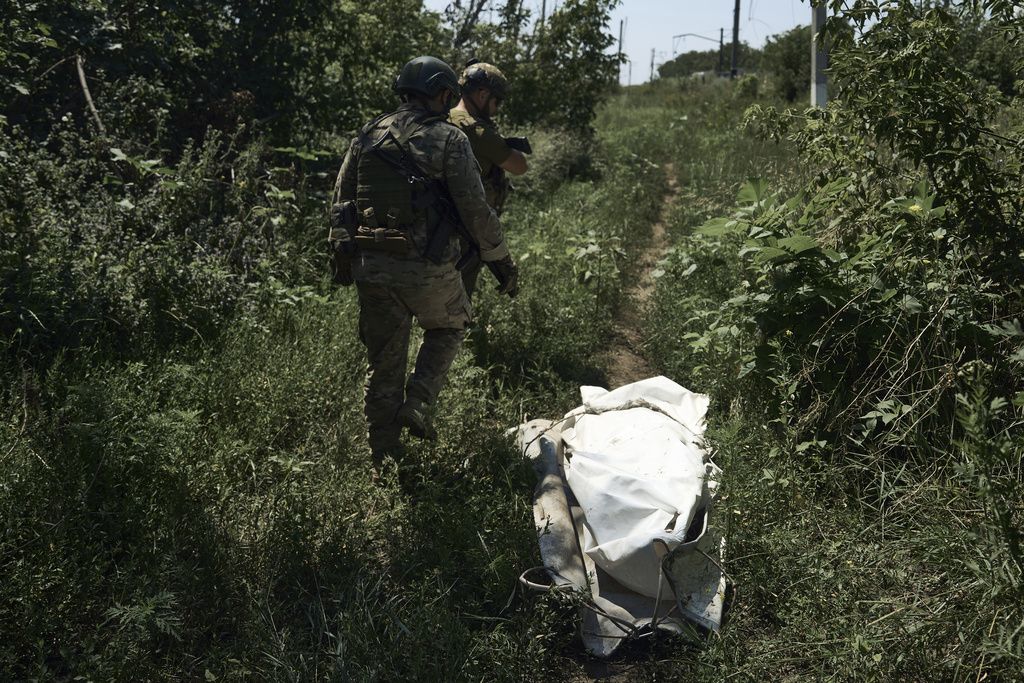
(384, 198)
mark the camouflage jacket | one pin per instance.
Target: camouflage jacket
(490, 150)
(442, 152)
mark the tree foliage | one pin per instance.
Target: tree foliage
(206, 154)
(559, 69)
(688, 63)
(787, 58)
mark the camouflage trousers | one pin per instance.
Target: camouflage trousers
(385, 322)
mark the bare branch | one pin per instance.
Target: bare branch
(88, 96)
(469, 21)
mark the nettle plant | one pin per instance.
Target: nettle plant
(901, 260)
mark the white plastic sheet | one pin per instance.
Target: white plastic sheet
(628, 466)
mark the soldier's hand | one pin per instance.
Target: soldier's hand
(508, 277)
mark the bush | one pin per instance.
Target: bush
(786, 60)
(558, 156)
(870, 319)
(150, 254)
(746, 87)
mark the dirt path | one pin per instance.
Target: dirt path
(623, 359)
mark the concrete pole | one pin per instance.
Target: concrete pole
(621, 23)
(819, 58)
(735, 40)
(652, 65)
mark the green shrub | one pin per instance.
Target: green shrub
(746, 87)
(558, 156)
(856, 321)
(786, 60)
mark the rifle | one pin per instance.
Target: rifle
(450, 222)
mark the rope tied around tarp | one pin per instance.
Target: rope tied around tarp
(587, 409)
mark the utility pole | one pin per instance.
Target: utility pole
(652, 65)
(735, 40)
(621, 24)
(819, 58)
(543, 12)
(721, 49)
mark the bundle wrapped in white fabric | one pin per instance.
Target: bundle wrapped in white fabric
(635, 463)
(622, 508)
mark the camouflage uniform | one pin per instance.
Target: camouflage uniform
(393, 288)
(491, 151)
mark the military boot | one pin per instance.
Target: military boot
(413, 416)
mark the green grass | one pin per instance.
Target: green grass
(849, 564)
(204, 511)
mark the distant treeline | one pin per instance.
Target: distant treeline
(987, 51)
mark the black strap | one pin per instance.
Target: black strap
(404, 164)
(436, 191)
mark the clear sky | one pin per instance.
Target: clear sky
(652, 23)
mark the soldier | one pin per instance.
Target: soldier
(407, 180)
(484, 88)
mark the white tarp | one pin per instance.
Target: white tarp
(624, 499)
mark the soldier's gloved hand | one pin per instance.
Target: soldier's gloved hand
(508, 277)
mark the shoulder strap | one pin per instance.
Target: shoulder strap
(403, 163)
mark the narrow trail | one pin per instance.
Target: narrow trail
(623, 360)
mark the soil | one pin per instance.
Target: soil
(624, 361)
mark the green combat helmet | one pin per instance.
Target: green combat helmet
(427, 76)
(483, 75)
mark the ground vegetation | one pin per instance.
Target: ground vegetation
(855, 316)
(185, 491)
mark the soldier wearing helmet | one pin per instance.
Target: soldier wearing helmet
(484, 88)
(407, 176)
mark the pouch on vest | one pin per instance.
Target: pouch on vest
(341, 244)
(389, 177)
(382, 239)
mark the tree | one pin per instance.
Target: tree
(787, 58)
(682, 66)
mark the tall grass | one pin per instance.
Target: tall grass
(197, 504)
(855, 558)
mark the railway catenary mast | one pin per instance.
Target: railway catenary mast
(734, 70)
(819, 58)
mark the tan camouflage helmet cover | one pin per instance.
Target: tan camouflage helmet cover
(483, 75)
